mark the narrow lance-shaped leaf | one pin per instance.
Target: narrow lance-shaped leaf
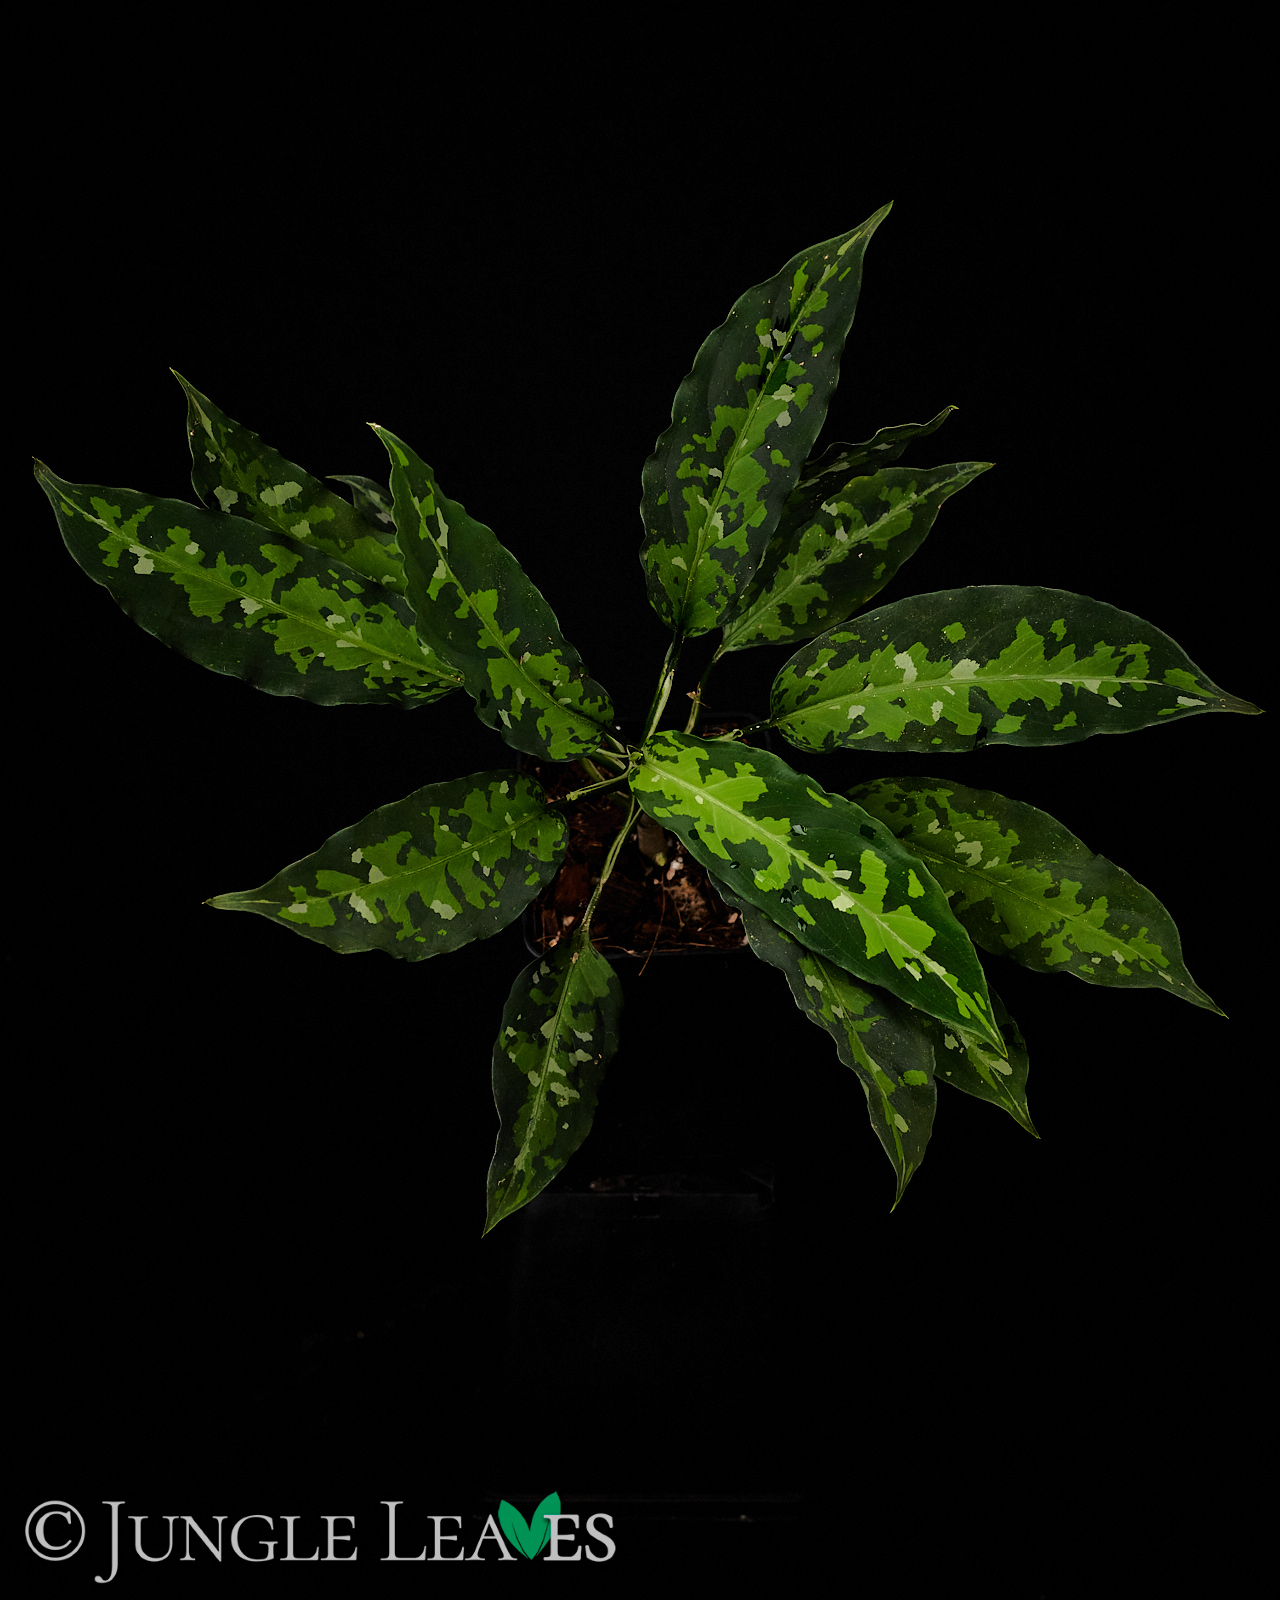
(559, 1031)
(447, 864)
(962, 1061)
(478, 610)
(876, 1036)
(232, 469)
(820, 867)
(228, 593)
(742, 425)
(1006, 664)
(1025, 886)
(840, 462)
(836, 547)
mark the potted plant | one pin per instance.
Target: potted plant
(874, 903)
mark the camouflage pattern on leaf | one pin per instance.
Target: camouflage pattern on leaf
(742, 425)
(450, 863)
(962, 1062)
(820, 867)
(228, 593)
(836, 547)
(479, 611)
(1004, 664)
(1025, 886)
(232, 470)
(559, 1031)
(876, 1036)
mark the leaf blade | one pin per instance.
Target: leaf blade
(962, 1062)
(1001, 663)
(817, 864)
(559, 1031)
(742, 424)
(480, 612)
(449, 863)
(234, 470)
(1026, 887)
(836, 547)
(300, 623)
(876, 1037)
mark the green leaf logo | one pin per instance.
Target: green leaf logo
(528, 1538)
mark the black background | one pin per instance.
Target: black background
(249, 1271)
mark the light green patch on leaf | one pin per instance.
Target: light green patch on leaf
(820, 867)
(480, 612)
(1025, 886)
(228, 593)
(558, 1033)
(742, 425)
(902, 677)
(450, 863)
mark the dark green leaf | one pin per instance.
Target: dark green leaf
(372, 502)
(820, 867)
(742, 425)
(840, 462)
(837, 546)
(447, 864)
(1009, 665)
(876, 1036)
(1025, 886)
(559, 1032)
(479, 611)
(238, 599)
(961, 1061)
(233, 470)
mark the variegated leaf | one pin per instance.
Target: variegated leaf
(450, 863)
(1006, 664)
(559, 1031)
(1025, 886)
(478, 610)
(837, 546)
(742, 425)
(964, 1063)
(233, 470)
(235, 597)
(876, 1036)
(840, 462)
(372, 501)
(820, 867)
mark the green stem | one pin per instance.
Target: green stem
(590, 788)
(665, 680)
(609, 860)
(696, 697)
